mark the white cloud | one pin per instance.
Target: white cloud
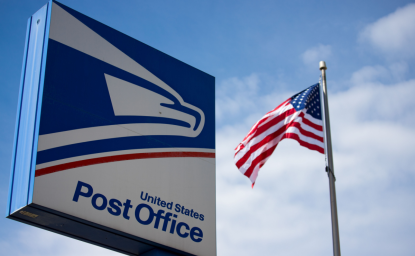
(233, 91)
(393, 34)
(240, 98)
(313, 56)
(370, 73)
(395, 72)
(287, 213)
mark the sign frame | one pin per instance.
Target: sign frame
(21, 206)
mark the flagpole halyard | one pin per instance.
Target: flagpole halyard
(329, 165)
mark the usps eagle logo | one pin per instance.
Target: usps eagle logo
(161, 109)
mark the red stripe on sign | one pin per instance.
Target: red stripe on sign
(109, 159)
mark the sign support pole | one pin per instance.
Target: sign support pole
(329, 166)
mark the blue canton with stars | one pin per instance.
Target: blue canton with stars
(310, 100)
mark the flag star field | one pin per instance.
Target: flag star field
(309, 99)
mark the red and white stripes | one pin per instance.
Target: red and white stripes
(281, 123)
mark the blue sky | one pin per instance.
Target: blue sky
(261, 53)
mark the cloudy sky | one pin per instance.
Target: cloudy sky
(261, 53)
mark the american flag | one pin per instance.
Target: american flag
(297, 118)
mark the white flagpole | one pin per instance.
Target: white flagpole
(329, 165)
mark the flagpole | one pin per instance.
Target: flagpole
(329, 166)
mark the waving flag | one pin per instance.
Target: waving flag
(298, 118)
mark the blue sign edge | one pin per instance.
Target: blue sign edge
(17, 123)
(16, 175)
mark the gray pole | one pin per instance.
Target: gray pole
(329, 166)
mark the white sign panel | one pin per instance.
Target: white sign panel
(125, 137)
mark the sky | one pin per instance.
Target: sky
(261, 53)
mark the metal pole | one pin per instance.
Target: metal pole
(329, 166)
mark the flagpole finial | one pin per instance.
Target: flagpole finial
(323, 65)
